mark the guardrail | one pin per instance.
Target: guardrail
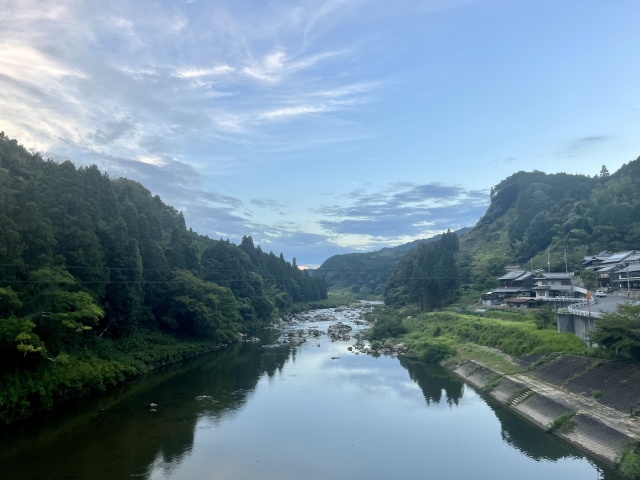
(574, 309)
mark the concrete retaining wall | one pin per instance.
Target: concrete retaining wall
(543, 411)
(578, 325)
(506, 390)
(596, 437)
(477, 374)
(604, 435)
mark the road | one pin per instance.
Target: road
(608, 304)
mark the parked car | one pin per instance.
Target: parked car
(600, 293)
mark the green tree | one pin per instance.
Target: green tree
(427, 276)
(202, 308)
(589, 279)
(61, 309)
(619, 331)
(9, 302)
(544, 316)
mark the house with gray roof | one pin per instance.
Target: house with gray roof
(609, 265)
(628, 278)
(557, 286)
(514, 284)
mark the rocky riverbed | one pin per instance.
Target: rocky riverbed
(345, 324)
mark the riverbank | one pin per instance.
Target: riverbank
(552, 379)
(25, 393)
(104, 363)
(557, 395)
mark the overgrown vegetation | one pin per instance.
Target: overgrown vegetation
(630, 464)
(435, 336)
(75, 374)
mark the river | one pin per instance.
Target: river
(268, 410)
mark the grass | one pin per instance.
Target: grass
(491, 358)
(514, 338)
(563, 424)
(489, 339)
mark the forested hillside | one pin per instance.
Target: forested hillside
(427, 276)
(535, 217)
(85, 258)
(368, 273)
(535, 220)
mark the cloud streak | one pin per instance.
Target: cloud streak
(405, 210)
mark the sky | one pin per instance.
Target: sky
(321, 127)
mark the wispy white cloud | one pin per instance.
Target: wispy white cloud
(286, 112)
(204, 72)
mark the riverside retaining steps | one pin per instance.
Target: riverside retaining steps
(596, 428)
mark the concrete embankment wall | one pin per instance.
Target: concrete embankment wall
(557, 411)
(543, 410)
(578, 325)
(597, 437)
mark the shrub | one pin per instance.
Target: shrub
(630, 465)
(386, 328)
(435, 352)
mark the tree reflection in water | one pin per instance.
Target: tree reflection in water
(117, 435)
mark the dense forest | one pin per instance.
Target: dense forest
(427, 275)
(368, 273)
(535, 220)
(86, 259)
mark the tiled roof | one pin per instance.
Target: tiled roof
(520, 300)
(555, 275)
(512, 275)
(507, 290)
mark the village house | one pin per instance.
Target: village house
(554, 285)
(611, 268)
(514, 284)
(628, 278)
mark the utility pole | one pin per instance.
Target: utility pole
(566, 268)
(548, 261)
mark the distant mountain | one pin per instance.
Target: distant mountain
(367, 273)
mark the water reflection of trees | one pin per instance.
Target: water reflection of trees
(433, 381)
(515, 431)
(530, 440)
(120, 435)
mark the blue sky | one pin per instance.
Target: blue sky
(324, 126)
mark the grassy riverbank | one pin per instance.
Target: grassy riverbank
(460, 335)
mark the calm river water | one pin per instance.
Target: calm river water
(270, 411)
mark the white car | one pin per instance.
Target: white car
(600, 293)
